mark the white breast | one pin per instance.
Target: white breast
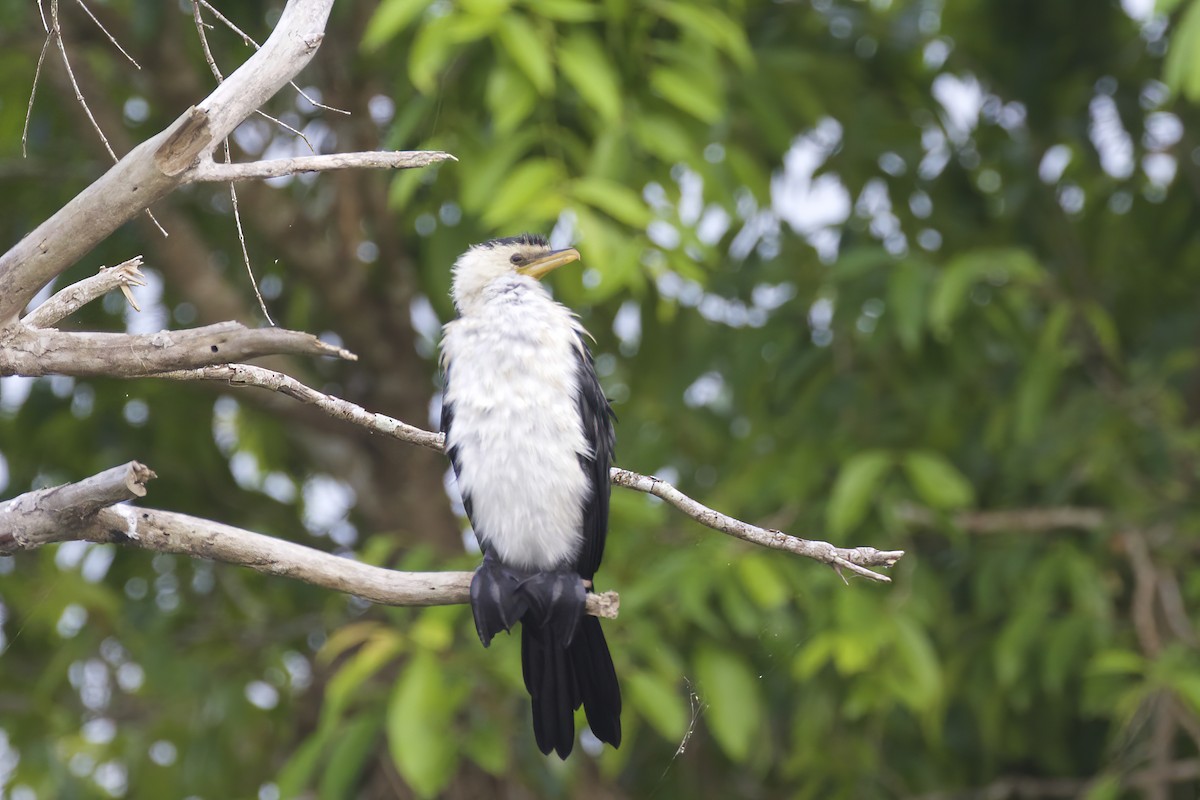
(513, 386)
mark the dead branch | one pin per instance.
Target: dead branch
(249, 375)
(47, 351)
(39, 517)
(90, 510)
(855, 559)
(66, 302)
(209, 170)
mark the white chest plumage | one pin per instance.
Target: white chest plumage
(513, 386)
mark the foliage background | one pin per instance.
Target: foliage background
(864, 271)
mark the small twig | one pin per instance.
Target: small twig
(62, 49)
(237, 221)
(288, 128)
(1173, 607)
(211, 171)
(56, 33)
(71, 299)
(237, 214)
(37, 73)
(216, 71)
(249, 375)
(208, 56)
(1145, 589)
(104, 30)
(855, 559)
(249, 41)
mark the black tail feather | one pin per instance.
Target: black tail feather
(560, 679)
(495, 602)
(597, 679)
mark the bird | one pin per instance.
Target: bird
(529, 433)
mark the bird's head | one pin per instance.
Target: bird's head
(483, 264)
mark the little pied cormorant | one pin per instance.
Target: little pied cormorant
(530, 435)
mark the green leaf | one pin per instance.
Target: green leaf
(346, 638)
(619, 202)
(524, 46)
(1040, 380)
(349, 680)
(510, 97)
(954, 285)
(1104, 329)
(683, 91)
(659, 702)
(908, 287)
(485, 8)
(664, 137)
(588, 68)
(1117, 662)
(735, 710)
(937, 482)
(814, 655)
(525, 186)
(479, 183)
(420, 739)
(488, 746)
(1104, 787)
(429, 52)
(351, 748)
(711, 25)
(390, 17)
(566, 10)
(1187, 686)
(1181, 69)
(855, 488)
(434, 628)
(438, 40)
(923, 686)
(762, 581)
(297, 773)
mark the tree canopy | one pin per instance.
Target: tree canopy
(901, 273)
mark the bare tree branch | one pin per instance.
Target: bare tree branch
(40, 517)
(208, 170)
(249, 41)
(249, 375)
(71, 299)
(46, 351)
(855, 559)
(86, 511)
(152, 169)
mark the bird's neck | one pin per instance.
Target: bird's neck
(505, 289)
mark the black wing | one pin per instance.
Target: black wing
(447, 422)
(597, 418)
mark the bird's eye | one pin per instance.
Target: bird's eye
(517, 258)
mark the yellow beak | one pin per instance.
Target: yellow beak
(551, 261)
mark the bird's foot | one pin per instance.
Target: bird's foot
(495, 601)
(557, 600)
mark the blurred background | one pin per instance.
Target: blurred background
(905, 273)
